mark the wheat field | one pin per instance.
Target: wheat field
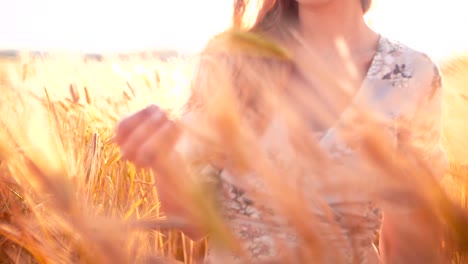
(65, 195)
(80, 104)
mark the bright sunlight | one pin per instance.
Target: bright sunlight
(186, 25)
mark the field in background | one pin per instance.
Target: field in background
(62, 111)
(82, 102)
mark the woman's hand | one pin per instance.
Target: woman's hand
(412, 236)
(147, 137)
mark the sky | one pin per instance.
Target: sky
(435, 26)
(101, 25)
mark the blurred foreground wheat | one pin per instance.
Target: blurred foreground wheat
(66, 197)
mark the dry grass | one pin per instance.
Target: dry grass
(66, 197)
(62, 178)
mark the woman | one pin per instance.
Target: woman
(382, 68)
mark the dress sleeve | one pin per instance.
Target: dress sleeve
(419, 132)
(197, 154)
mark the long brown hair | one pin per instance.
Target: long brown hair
(253, 15)
(264, 14)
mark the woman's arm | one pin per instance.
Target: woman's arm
(190, 159)
(150, 140)
(196, 166)
(412, 234)
(173, 187)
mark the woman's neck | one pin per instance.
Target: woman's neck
(323, 24)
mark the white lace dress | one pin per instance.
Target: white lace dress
(396, 70)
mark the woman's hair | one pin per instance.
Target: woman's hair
(263, 15)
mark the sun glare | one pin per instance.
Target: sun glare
(432, 26)
(95, 26)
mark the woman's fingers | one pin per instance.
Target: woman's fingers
(127, 125)
(156, 148)
(138, 135)
(145, 136)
